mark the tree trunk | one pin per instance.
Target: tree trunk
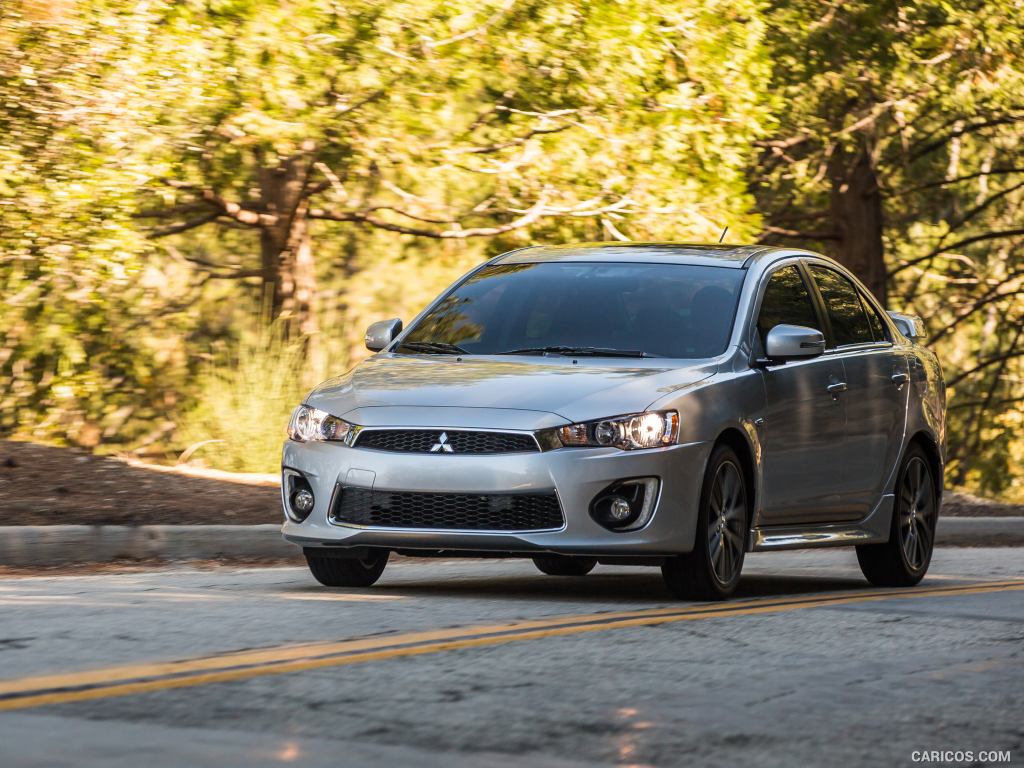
(856, 212)
(295, 280)
(287, 264)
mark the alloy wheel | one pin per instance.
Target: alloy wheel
(726, 522)
(917, 512)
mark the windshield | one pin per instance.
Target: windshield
(602, 309)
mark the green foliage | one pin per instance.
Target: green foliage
(146, 151)
(244, 396)
(471, 110)
(623, 117)
(86, 351)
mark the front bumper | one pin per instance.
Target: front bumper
(576, 474)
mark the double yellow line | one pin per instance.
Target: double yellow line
(42, 690)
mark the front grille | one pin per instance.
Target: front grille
(445, 441)
(448, 511)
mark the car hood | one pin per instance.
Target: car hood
(389, 389)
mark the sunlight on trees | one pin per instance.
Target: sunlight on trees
(169, 171)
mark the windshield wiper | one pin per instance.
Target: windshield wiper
(578, 351)
(433, 347)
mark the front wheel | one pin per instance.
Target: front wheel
(347, 572)
(903, 560)
(711, 571)
(565, 566)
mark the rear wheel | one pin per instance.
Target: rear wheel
(565, 566)
(903, 560)
(347, 571)
(711, 571)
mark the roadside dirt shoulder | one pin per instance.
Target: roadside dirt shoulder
(43, 485)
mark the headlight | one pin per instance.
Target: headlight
(653, 429)
(311, 424)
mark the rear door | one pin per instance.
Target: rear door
(876, 395)
(804, 423)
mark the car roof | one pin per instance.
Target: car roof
(735, 256)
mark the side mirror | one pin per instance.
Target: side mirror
(910, 326)
(793, 342)
(382, 333)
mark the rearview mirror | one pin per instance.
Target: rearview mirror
(910, 326)
(382, 333)
(793, 342)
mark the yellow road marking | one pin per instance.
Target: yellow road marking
(120, 681)
(304, 650)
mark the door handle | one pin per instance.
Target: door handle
(836, 387)
(900, 378)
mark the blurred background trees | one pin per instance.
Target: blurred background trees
(899, 150)
(199, 198)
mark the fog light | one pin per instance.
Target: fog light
(620, 509)
(303, 502)
(297, 495)
(625, 505)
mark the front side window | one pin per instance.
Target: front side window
(786, 302)
(664, 310)
(849, 321)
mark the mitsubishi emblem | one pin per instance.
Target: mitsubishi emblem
(442, 445)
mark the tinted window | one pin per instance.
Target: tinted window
(849, 322)
(877, 324)
(670, 310)
(786, 302)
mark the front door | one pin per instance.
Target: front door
(804, 422)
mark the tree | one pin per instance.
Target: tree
(90, 339)
(169, 168)
(885, 105)
(448, 121)
(167, 165)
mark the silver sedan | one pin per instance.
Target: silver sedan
(661, 404)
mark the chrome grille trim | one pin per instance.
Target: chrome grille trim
(467, 442)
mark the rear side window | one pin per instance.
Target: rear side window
(786, 302)
(877, 324)
(850, 323)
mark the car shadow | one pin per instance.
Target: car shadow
(634, 588)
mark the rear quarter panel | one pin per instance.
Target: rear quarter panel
(927, 407)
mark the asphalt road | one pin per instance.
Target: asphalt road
(477, 663)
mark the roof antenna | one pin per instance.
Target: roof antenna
(723, 234)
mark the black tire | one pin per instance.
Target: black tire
(348, 572)
(565, 566)
(903, 560)
(711, 571)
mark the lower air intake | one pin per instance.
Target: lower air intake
(448, 511)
